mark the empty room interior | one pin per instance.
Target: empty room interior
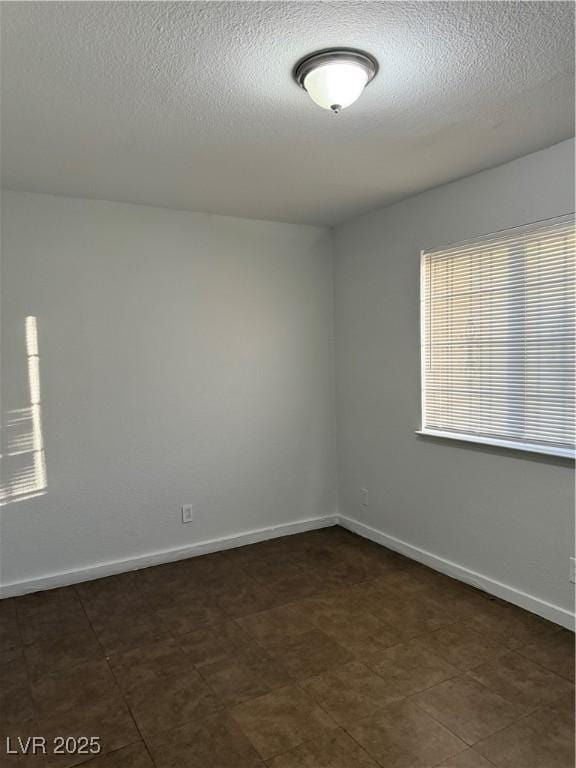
(288, 384)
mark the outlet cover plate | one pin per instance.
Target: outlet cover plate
(187, 513)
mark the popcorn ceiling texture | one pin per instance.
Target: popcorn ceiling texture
(192, 105)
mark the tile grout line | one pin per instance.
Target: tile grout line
(120, 690)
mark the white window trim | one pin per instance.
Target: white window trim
(567, 453)
(524, 447)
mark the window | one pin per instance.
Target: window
(22, 456)
(498, 323)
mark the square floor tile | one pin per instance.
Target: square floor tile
(165, 573)
(224, 575)
(11, 654)
(371, 650)
(149, 663)
(376, 561)
(241, 599)
(46, 615)
(276, 626)
(181, 618)
(250, 553)
(510, 625)
(295, 587)
(14, 673)
(246, 677)
(165, 594)
(469, 604)
(9, 634)
(47, 656)
(16, 704)
(8, 608)
(310, 654)
(404, 736)
(405, 582)
(109, 586)
(166, 704)
(336, 573)
(181, 573)
(47, 603)
(521, 681)
(125, 634)
(544, 739)
(204, 570)
(67, 689)
(106, 612)
(219, 642)
(351, 626)
(281, 720)
(350, 693)
(213, 742)
(216, 570)
(410, 616)
(312, 609)
(37, 629)
(555, 652)
(272, 569)
(462, 647)
(108, 719)
(467, 708)
(333, 750)
(409, 668)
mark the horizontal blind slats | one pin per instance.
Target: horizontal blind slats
(499, 333)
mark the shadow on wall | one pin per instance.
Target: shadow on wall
(23, 458)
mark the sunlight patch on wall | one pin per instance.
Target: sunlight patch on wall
(23, 457)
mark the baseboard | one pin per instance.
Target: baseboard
(529, 602)
(65, 578)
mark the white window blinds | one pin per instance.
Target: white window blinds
(498, 335)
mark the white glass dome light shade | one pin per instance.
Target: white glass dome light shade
(335, 78)
(336, 85)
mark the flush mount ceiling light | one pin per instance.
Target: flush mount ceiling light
(335, 78)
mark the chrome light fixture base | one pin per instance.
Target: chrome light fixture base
(330, 56)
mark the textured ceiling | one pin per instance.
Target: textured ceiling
(191, 105)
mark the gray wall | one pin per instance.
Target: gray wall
(506, 515)
(183, 358)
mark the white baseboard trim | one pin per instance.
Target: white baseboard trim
(529, 602)
(65, 578)
(99, 571)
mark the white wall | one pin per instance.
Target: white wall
(184, 358)
(505, 515)
(189, 358)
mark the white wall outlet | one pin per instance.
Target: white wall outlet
(573, 570)
(364, 496)
(187, 513)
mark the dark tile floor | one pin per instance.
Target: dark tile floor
(320, 650)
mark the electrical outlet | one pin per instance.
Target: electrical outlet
(364, 494)
(573, 570)
(187, 513)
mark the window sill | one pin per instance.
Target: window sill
(567, 453)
